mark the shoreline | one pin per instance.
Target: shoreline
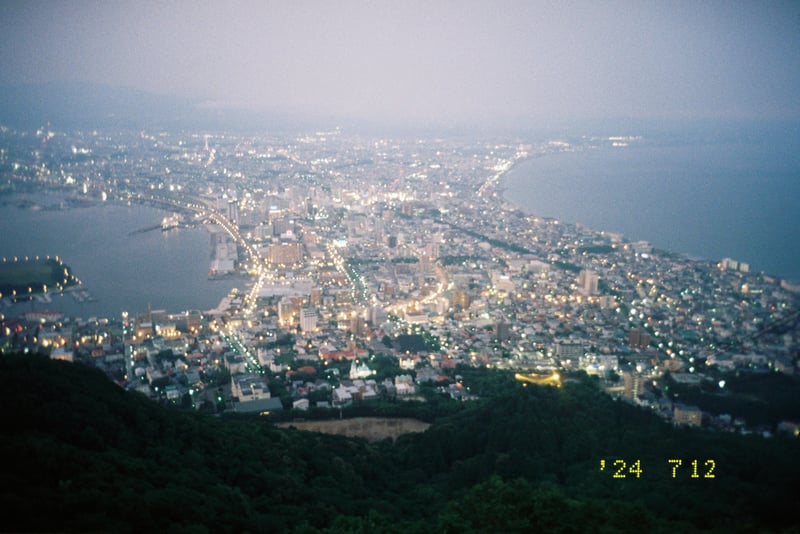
(503, 186)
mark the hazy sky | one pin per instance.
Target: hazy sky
(460, 61)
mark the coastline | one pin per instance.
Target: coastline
(508, 188)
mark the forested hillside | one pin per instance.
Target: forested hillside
(80, 454)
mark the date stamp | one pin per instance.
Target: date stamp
(673, 467)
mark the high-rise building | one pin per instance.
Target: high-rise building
(633, 385)
(588, 282)
(638, 339)
(460, 299)
(233, 211)
(358, 326)
(308, 319)
(315, 297)
(376, 314)
(286, 311)
(501, 331)
(734, 265)
(378, 230)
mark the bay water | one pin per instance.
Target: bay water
(706, 199)
(122, 267)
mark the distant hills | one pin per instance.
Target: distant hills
(86, 106)
(82, 105)
(81, 454)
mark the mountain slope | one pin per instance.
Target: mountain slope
(82, 455)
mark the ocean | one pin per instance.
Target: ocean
(707, 198)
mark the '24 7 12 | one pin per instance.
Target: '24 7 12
(622, 469)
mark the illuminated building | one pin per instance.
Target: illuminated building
(460, 299)
(684, 414)
(193, 320)
(633, 385)
(284, 253)
(553, 379)
(286, 310)
(359, 370)
(249, 387)
(570, 351)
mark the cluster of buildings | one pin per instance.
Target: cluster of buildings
(363, 247)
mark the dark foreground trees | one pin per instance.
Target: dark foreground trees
(80, 454)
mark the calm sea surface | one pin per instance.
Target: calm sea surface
(167, 270)
(709, 201)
